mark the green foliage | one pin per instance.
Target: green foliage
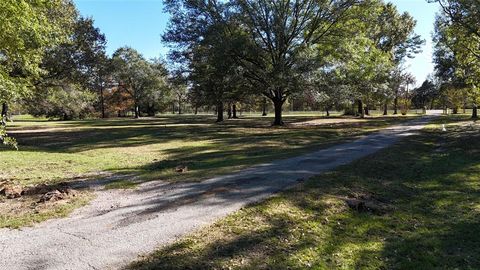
(142, 80)
(27, 28)
(79, 59)
(65, 102)
(5, 139)
(268, 40)
(425, 94)
(457, 46)
(274, 47)
(77, 66)
(209, 44)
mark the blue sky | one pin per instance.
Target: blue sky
(140, 23)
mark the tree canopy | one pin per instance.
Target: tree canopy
(457, 47)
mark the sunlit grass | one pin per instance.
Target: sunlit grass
(126, 152)
(434, 221)
(55, 151)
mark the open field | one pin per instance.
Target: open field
(151, 148)
(125, 152)
(421, 211)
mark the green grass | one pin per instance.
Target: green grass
(430, 182)
(54, 151)
(129, 151)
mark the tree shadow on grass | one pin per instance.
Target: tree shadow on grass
(97, 134)
(434, 224)
(221, 149)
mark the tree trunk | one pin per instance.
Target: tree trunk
(264, 107)
(385, 108)
(179, 107)
(196, 110)
(229, 111)
(234, 111)
(151, 110)
(278, 112)
(474, 111)
(455, 110)
(367, 112)
(327, 111)
(137, 111)
(4, 110)
(3, 120)
(395, 105)
(173, 108)
(220, 112)
(102, 102)
(361, 112)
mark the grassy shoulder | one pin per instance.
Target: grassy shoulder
(430, 183)
(125, 152)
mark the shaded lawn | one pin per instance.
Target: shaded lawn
(124, 152)
(53, 151)
(431, 182)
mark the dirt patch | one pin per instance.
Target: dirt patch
(21, 206)
(367, 202)
(10, 190)
(181, 168)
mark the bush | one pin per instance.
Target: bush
(66, 102)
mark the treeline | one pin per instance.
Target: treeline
(456, 39)
(54, 64)
(456, 56)
(77, 79)
(235, 55)
(341, 54)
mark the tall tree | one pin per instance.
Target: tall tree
(77, 65)
(457, 47)
(393, 33)
(179, 87)
(268, 38)
(425, 95)
(136, 76)
(280, 33)
(26, 29)
(205, 36)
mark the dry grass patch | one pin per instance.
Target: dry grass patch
(27, 210)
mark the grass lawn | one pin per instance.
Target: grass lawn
(429, 185)
(54, 151)
(129, 151)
